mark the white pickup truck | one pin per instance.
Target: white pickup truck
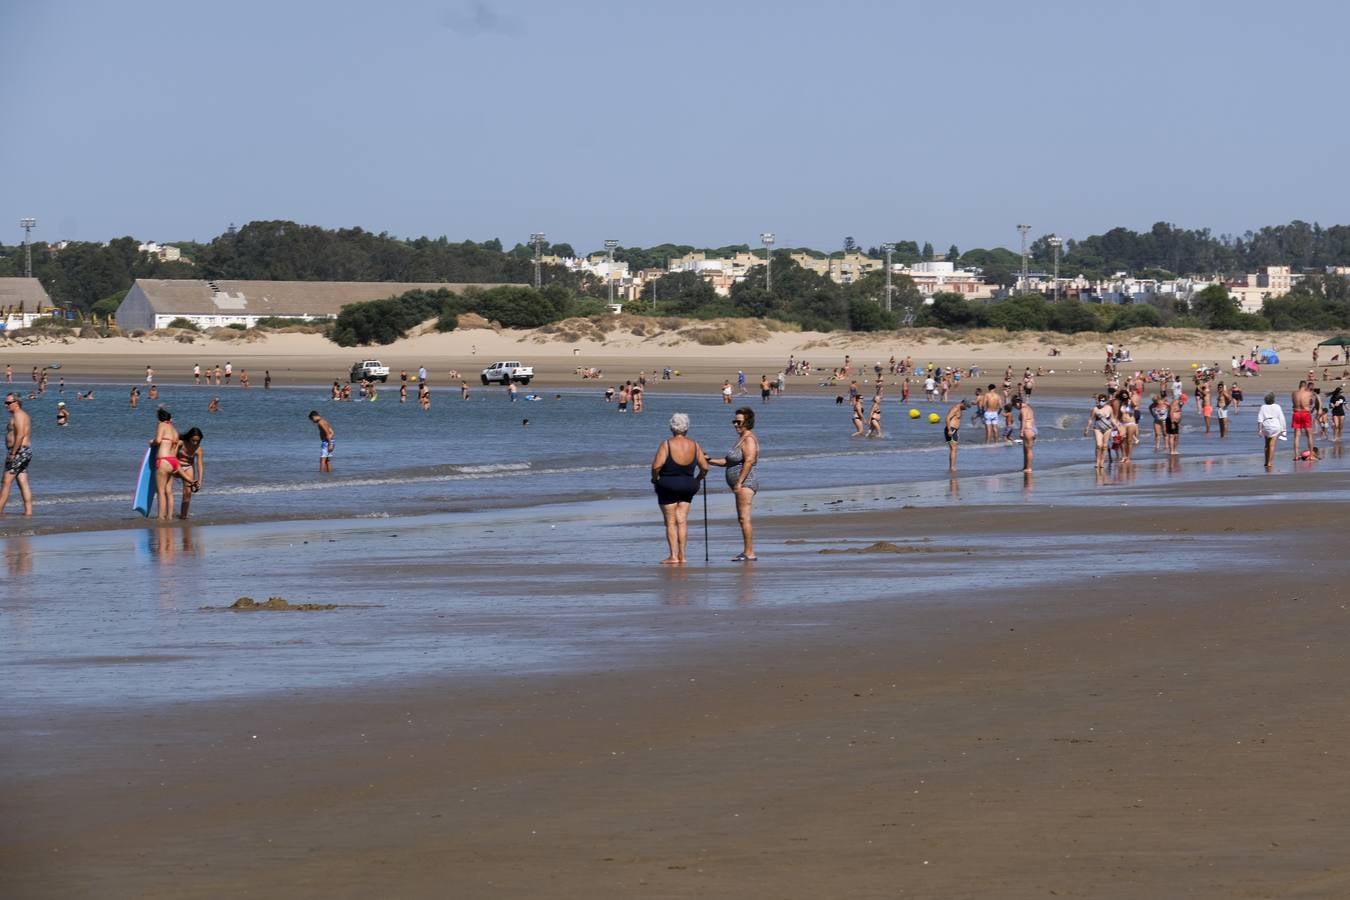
(507, 372)
(369, 370)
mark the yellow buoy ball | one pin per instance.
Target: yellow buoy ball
(1194, 366)
(934, 418)
(913, 413)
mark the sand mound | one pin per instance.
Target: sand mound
(670, 329)
(277, 603)
(878, 547)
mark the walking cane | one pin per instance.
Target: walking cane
(705, 519)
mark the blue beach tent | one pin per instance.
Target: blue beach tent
(1268, 357)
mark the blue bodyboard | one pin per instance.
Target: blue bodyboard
(145, 485)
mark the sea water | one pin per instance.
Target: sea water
(463, 542)
(262, 452)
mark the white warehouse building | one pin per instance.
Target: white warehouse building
(154, 303)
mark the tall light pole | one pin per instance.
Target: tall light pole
(889, 248)
(1055, 243)
(537, 238)
(1023, 284)
(28, 225)
(766, 239)
(610, 244)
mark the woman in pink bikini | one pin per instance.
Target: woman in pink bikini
(165, 445)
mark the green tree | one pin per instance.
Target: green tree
(1021, 312)
(1134, 315)
(1073, 316)
(385, 321)
(949, 310)
(869, 315)
(680, 294)
(1215, 308)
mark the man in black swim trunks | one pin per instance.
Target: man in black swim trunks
(18, 453)
(950, 431)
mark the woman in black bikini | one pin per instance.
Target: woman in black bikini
(677, 473)
(191, 467)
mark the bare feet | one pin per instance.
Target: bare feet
(670, 561)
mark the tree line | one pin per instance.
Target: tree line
(95, 277)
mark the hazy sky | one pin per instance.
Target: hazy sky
(692, 122)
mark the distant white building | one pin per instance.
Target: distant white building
(163, 252)
(1257, 288)
(154, 303)
(943, 277)
(22, 300)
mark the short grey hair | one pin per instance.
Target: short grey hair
(679, 423)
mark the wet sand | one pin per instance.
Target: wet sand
(1114, 729)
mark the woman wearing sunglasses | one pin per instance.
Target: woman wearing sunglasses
(740, 464)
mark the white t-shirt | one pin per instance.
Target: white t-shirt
(1270, 419)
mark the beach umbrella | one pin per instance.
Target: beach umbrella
(1339, 340)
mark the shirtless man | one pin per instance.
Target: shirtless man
(1301, 401)
(18, 453)
(326, 442)
(165, 444)
(1225, 401)
(950, 431)
(1027, 426)
(1172, 425)
(991, 403)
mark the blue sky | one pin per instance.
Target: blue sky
(698, 122)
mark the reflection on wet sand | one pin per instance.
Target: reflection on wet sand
(166, 542)
(18, 555)
(675, 586)
(746, 593)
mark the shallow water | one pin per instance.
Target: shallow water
(459, 542)
(393, 459)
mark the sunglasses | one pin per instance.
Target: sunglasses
(737, 421)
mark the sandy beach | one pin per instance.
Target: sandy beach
(984, 687)
(634, 344)
(1118, 729)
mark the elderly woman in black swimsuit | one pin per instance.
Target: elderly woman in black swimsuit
(740, 463)
(677, 474)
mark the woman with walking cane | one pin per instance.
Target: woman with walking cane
(678, 470)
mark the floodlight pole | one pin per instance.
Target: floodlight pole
(766, 239)
(889, 248)
(1023, 286)
(1055, 242)
(610, 244)
(538, 240)
(28, 225)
